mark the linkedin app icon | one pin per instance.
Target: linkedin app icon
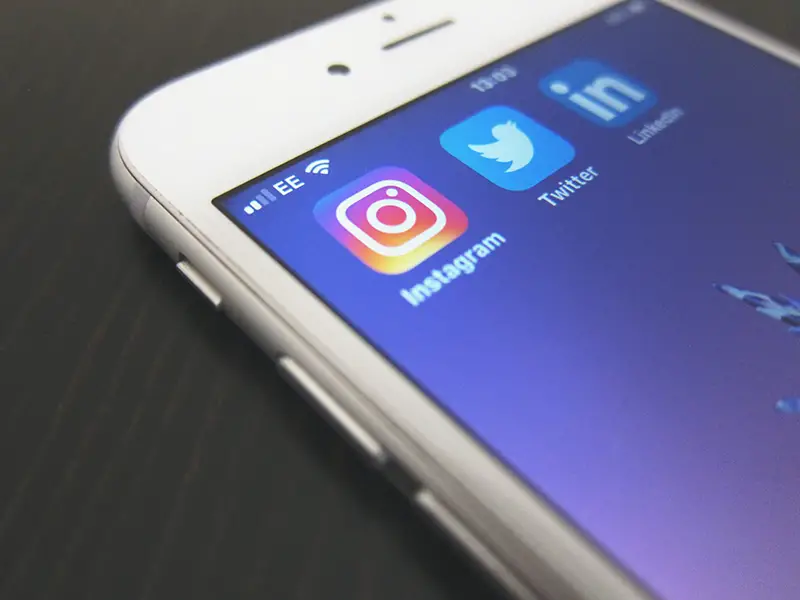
(598, 93)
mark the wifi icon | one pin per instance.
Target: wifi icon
(319, 167)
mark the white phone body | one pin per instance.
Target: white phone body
(201, 136)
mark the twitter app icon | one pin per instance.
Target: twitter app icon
(508, 148)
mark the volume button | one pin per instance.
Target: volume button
(200, 283)
(301, 380)
(461, 534)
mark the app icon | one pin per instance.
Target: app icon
(508, 148)
(598, 93)
(390, 219)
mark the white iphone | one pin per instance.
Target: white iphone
(512, 250)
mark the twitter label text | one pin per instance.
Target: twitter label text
(569, 186)
(508, 148)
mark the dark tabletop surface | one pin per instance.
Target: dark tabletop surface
(147, 448)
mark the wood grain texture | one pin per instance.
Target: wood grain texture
(147, 449)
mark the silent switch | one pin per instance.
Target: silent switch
(304, 383)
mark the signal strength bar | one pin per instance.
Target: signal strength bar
(261, 199)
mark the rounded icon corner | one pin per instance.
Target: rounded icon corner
(517, 187)
(390, 269)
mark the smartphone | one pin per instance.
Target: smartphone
(534, 259)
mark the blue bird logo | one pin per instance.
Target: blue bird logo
(511, 146)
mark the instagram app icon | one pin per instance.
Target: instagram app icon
(390, 219)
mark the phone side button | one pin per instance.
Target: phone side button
(306, 385)
(453, 526)
(200, 283)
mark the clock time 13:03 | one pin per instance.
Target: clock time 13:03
(497, 76)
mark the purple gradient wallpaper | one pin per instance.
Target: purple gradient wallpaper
(591, 349)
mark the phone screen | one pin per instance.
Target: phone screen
(586, 253)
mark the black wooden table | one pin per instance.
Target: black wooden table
(147, 448)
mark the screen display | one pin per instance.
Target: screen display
(588, 252)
